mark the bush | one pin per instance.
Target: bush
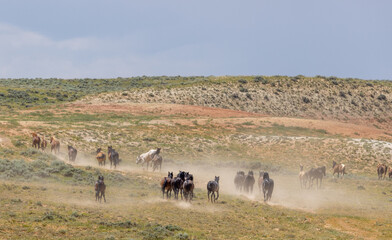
(382, 97)
(29, 152)
(305, 100)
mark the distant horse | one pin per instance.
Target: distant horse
(157, 161)
(44, 144)
(239, 180)
(177, 184)
(249, 182)
(114, 157)
(212, 187)
(55, 145)
(72, 152)
(36, 141)
(101, 157)
(382, 170)
(303, 176)
(390, 173)
(260, 180)
(188, 187)
(100, 188)
(147, 157)
(338, 168)
(166, 185)
(316, 173)
(268, 187)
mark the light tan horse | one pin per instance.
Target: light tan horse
(338, 168)
(101, 157)
(303, 177)
(55, 145)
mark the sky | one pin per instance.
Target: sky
(125, 38)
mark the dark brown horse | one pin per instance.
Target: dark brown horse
(177, 184)
(268, 187)
(239, 180)
(166, 185)
(114, 157)
(316, 173)
(338, 168)
(36, 141)
(101, 157)
(55, 145)
(44, 144)
(249, 182)
(188, 187)
(100, 188)
(382, 170)
(72, 152)
(212, 187)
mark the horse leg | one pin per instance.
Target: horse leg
(103, 194)
(208, 195)
(217, 192)
(213, 197)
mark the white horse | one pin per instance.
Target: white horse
(147, 157)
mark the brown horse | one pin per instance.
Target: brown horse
(101, 157)
(166, 185)
(157, 161)
(55, 145)
(100, 188)
(44, 144)
(382, 169)
(36, 141)
(338, 168)
(188, 187)
(72, 152)
(390, 173)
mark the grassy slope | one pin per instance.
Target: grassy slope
(47, 204)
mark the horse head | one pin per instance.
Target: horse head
(217, 179)
(333, 164)
(158, 151)
(250, 173)
(170, 175)
(261, 173)
(266, 176)
(51, 140)
(301, 167)
(138, 160)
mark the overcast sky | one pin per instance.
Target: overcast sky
(92, 38)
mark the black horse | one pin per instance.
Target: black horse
(212, 187)
(188, 187)
(249, 182)
(268, 187)
(239, 180)
(72, 152)
(318, 174)
(177, 184)
(114, 157)
(100, 188)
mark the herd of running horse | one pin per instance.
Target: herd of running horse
(183, 183)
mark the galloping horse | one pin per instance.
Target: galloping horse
(316, 173)
(36, 141)
(55, 145)
(157, 161)
(249, 182)
(114, 157)
(382, 169)
(101, 157)
(100, 188)
(166, 185)
(338, 168)
(303, 176)
(188, 187)
(177, 184)
(212, 187)
(268, 187)
(260, 180)
(72, 152)
(147, 157)
(44, 144)
(239, 180)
